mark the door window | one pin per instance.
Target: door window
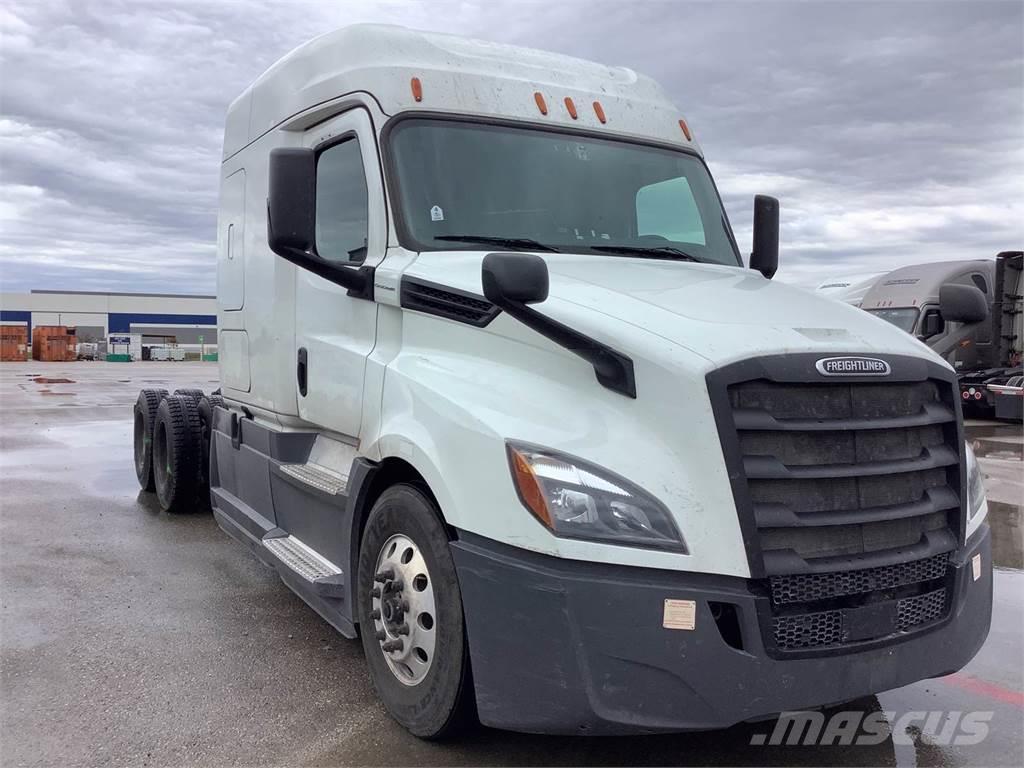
(342, 207)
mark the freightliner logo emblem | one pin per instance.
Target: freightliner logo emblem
(852, 366)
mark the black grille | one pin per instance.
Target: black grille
(810, 587)
(809, 630)
(823, 629)
(849, 496)
(839, 470)
(923, 609)
(447, 302)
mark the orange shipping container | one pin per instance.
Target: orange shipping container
(13, 343)
(53, 343)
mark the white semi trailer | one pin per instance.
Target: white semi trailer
(500, 397)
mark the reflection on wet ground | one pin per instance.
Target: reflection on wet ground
(140, 637)
(1000, 450)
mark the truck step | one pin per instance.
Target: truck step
(317, 477)
(301, 559)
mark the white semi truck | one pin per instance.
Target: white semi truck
(499, 396)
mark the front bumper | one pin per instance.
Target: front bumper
(562, 646)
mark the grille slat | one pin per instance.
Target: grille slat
(778, 515)
(760, 420)
(770, 468)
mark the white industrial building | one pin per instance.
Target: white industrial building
(157, 318)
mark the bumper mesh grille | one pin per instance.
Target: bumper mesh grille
(825, 629)
(809, 587)
(922, 609)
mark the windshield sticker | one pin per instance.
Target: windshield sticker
(436, 214)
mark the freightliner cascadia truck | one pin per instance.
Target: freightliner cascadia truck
(500, 398)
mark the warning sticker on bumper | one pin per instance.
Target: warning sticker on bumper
(679, 614)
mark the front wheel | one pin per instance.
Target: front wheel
(410, 615)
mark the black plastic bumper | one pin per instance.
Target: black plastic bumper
(561, 646)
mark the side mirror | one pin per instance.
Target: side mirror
(962, 304)
(765, 254)
(932, 324)
(291, 220)
(521, 278)
(291, 202)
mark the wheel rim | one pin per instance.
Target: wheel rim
(403, 609)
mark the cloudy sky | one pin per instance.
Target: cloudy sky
(893, 132)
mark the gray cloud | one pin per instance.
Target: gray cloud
(893, 132)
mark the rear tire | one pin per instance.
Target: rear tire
(207, 404)
(178, 455)
(145, 419)
(439, 703)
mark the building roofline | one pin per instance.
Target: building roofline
(119, 293)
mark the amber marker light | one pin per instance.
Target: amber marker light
(599, 111)
(686, 130)
(417, 89)
(541, 104)
(528, 487)
(571, 107)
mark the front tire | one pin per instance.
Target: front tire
(410, 615)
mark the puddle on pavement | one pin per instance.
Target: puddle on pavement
(1007, 523)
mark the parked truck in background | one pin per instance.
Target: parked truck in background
(970, 313)
(499, 396)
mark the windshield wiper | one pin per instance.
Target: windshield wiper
(647, 251)
(520, 243)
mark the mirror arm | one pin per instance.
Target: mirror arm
(613, 369)
(358, 280)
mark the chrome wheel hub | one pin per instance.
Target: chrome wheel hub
(403, 611)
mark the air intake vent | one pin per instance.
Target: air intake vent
(450, 303)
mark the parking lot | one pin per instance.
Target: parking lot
(133, 637)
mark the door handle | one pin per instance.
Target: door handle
(301, 371)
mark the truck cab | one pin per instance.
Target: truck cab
(500, 396)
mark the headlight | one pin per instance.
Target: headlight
(976, 503)
(577, 500)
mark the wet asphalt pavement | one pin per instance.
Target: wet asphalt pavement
(133, 637)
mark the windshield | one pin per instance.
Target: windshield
(904, 318)
(461, 184)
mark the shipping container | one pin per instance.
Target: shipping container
(54, 343)
(13, 343)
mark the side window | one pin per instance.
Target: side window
(979, 281)
(667, 210)
(342, 208)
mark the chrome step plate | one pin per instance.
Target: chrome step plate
(300, 558)
(317, 477)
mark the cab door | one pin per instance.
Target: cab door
(335, 332)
